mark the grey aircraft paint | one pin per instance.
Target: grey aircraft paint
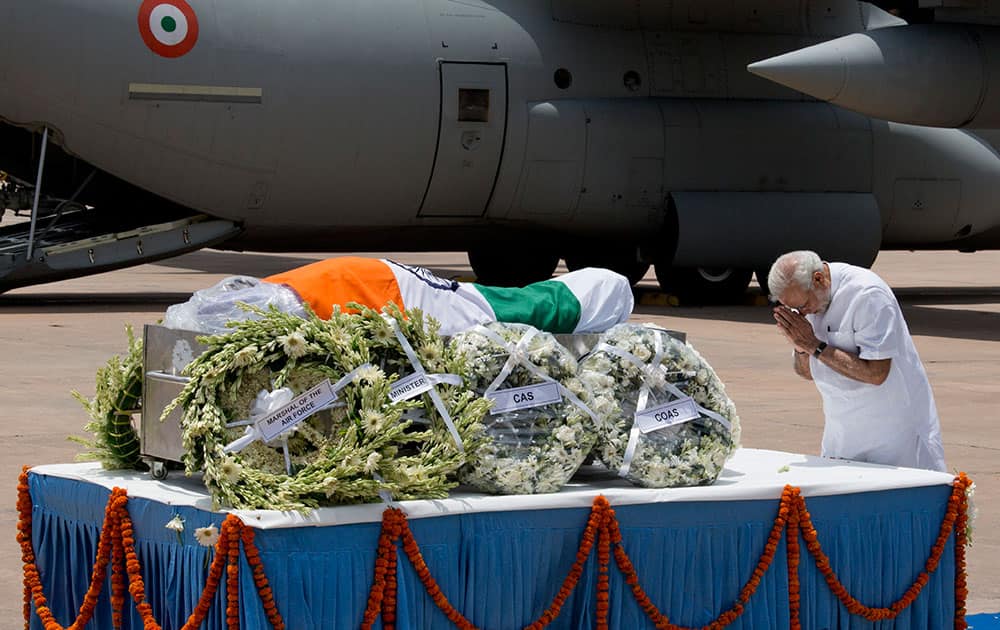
(503, 127)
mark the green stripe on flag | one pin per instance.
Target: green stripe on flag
(547, 305)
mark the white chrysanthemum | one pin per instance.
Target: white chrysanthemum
(565, 434)
(372, 420)
(294, 344)
(369, 374)
(431, 353)
(371, 464)
(207, 536)
(175, 524)
(245, 357)
(381, 332)
(341, 338)
(230, 470)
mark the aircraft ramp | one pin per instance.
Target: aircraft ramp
(77, 241)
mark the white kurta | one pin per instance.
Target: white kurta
(895, 423)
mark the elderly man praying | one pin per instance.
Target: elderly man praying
(850, 338)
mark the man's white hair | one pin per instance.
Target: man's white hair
(793, 268)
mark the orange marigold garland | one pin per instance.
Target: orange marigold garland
(117, 566)
(853, 605)
(24, 537)
(597, 513)
(430, 585)
(259, 577)
(961, 539)
(136, 587)
(214, 576)
(386, 546)
(603, 560)
(233, 582)
(794, 553)
(389, 595)
(117, 546)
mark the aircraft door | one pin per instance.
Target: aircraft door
(471, 135)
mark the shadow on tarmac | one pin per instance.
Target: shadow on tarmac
(90, 302)
(922, 307)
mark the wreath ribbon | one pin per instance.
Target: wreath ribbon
(517, 355)
(433, 379)
(269, 402)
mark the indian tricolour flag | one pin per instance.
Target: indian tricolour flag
(586, 300)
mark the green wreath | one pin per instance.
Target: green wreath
(116, 399)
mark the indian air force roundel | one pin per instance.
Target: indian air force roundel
(169, 27)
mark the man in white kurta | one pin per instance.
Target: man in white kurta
(851, 339)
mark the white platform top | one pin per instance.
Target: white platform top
(751, 474)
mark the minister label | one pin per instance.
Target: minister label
(409, 387)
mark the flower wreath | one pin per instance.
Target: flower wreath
(354, 452)
(532, 450)
(646, 367)
(116, 399)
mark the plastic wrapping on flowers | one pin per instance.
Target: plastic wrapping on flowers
(350, 453)
(526, 450)
(647, 368)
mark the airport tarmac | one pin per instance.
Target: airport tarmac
(54, 337)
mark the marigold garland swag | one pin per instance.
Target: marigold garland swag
(117, 545)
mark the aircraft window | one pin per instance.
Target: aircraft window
(473, 105)
(563, 78)
(632, 81)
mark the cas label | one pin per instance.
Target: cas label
(506, 400)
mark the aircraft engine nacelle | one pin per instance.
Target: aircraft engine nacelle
(749, 230)
(940, 75)
(743, 179)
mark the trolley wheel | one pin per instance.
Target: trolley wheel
(158, 470)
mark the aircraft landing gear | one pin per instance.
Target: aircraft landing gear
(761, 275)
(624, 262)
(704, 285)
(511, 267)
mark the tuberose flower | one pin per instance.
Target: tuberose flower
(176, 524)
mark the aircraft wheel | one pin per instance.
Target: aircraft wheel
(510, 267)
(624, 264)
(704, 285)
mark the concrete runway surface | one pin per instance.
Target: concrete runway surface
(53, 337)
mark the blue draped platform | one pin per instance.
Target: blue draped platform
(501, 565)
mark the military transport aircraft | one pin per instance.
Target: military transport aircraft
(607, 132)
